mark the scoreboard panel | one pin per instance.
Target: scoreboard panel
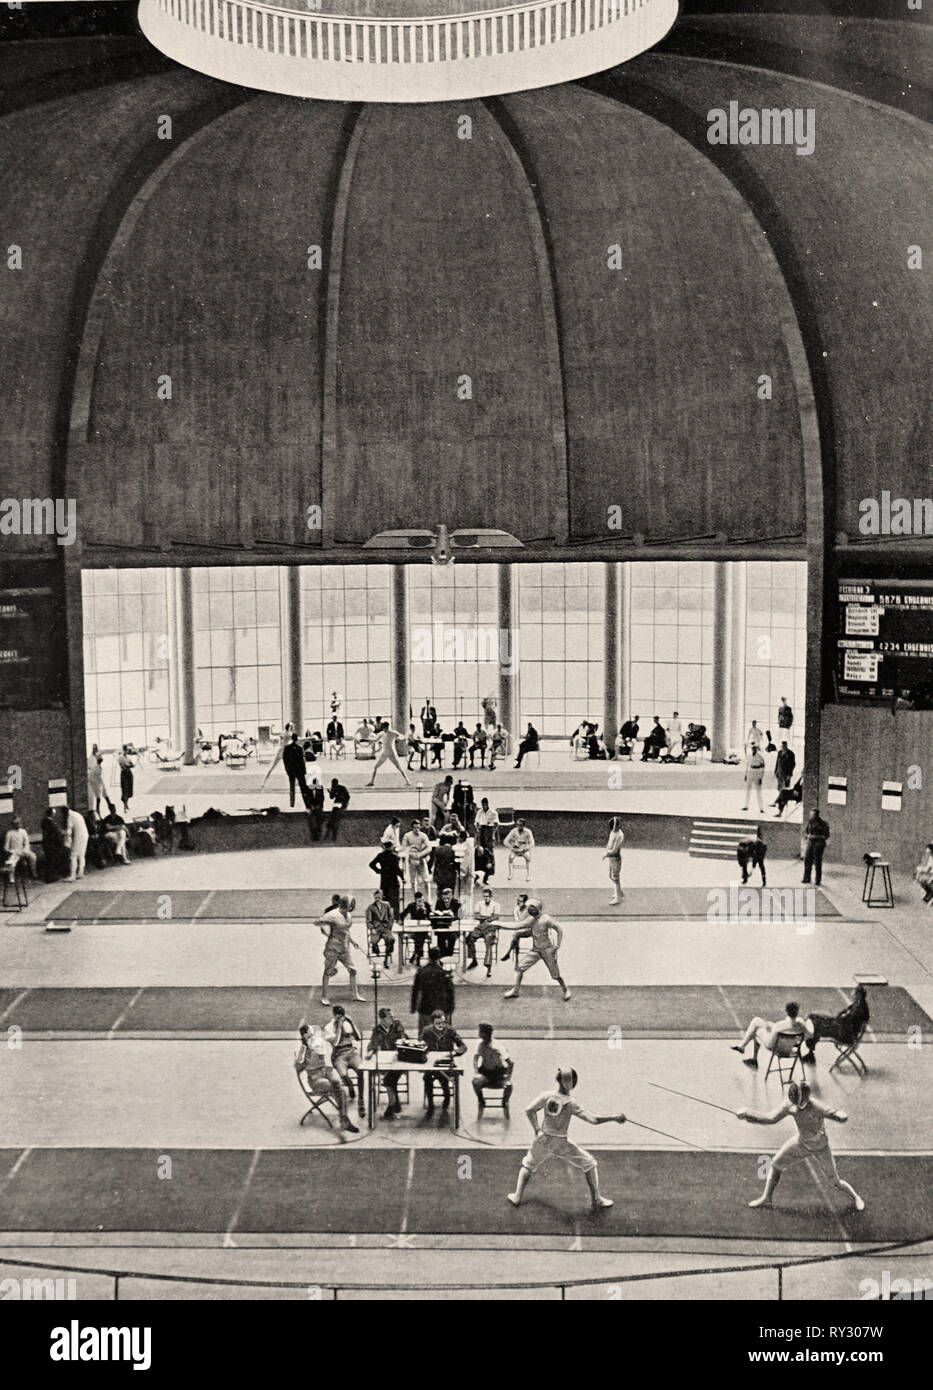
(884, 645)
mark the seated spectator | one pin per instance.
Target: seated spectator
(385, 1037)
(924, 873)
(17, 849)
(446, 912)
(520, 842)
(364, 733)
(493, 1067)
(594, 744)
(115, 836)
(845, 1027)
(417, 913)
(655, 741)
(789, 795)
(343, 1036)
(440, 1036)
(417, 748)
(486, 912)
(321, 1079)
(519, 910)
(764, 1034)
(317, 742)
(484, 862)
(478, 745)
(498, 746)
(529, 744)
(627, 738)
(379, 919)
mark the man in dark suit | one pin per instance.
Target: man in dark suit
(432, 989)
(340, 798)
(293, 760)
(388, 866)
(440, 1036)
(446, 913)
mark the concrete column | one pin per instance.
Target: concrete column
(170, 577)
(722, 659)
(398, 609)
(185, 663)
(737, 720)
(291, 634)
(611, 650)
(625, 642)
(509, 712)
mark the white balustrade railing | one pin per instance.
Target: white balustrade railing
(430, 39)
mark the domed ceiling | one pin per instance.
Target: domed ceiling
(569, 311)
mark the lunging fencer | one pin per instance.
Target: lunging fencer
(387, 754)
(539, 926)
(810, 1141)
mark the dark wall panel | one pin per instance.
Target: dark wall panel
(662, 357)
(871, 746)
(440, 280)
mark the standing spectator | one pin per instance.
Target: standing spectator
(614, 855)
(54, 854)
(95, 780)
(417, 848)
(440, 800)
(785, 716)
(754, 736)
(784, 765)
(393, 832)
(675, 733)
(341, 800)
(428, 718)
(126, 764)
(529, 744)
(754, 772)
(816, 833)
(76, 838)
(293, 760)
(432, 988)
(379, 926)
(16, 846)
(751, 855)
(465, 850)
(487, 823)
(315, 810)
(443, 864)
(389, 868)
(489, 713)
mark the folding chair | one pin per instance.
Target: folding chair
(848, 1052)
(786, 1049)
(316, 1102)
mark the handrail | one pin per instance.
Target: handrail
(396, 1286)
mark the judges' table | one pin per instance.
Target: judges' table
(438, 1062)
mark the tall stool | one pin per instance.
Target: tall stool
(874, 865)
(15, 879)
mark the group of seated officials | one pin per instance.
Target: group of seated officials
(333, 1077)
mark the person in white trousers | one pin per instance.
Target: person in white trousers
(76, 838)
(754, 772)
